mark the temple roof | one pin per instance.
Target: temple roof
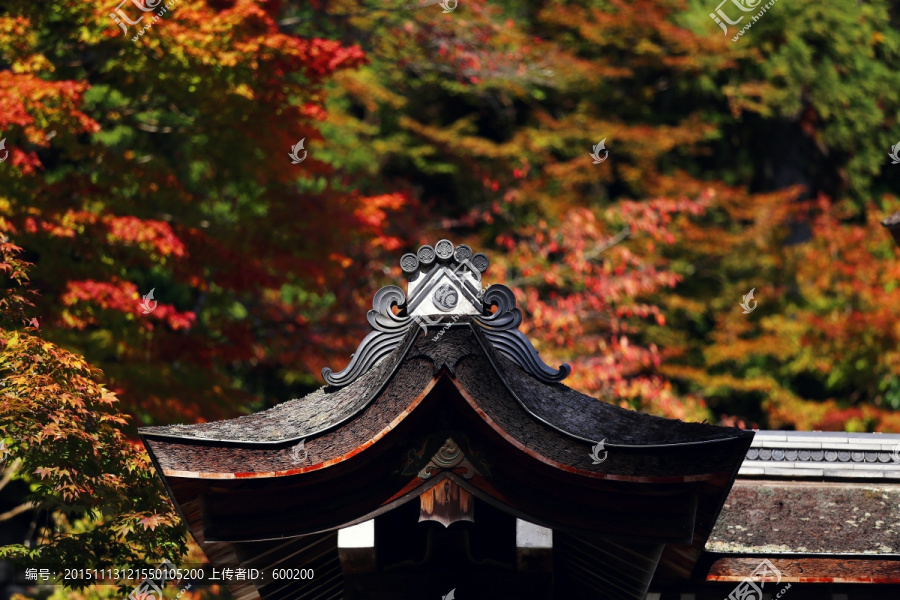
(781, 517)
(446, 390)
(446, 363)
(577, 415)
(550, 419)
(314, 413)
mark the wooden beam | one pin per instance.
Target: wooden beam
(846, 569)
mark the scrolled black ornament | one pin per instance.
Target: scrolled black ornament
(501, 330)
(389, 331)
(447, 274)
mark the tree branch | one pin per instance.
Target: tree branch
(9, 471)
(25, 507)
(609, 244)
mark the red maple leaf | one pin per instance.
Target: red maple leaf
(152, 521)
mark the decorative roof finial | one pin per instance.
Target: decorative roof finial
(444, 280)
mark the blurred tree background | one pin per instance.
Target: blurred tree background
(161, 162)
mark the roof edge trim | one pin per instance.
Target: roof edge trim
(315, 467)
(144, 432)
(575, 435)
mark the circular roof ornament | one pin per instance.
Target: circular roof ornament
(462, 253)
(444, 249)
(409, 263)
(481, 262)
(445, 297)
(426, 255)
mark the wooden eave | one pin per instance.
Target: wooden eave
(443, 389)
(488, 380)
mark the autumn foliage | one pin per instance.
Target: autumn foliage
(64, 436)
(161, 163)
(633, 269)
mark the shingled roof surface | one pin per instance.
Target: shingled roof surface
(769, 517)
(294, 419)
(592, 419)
(557, 405)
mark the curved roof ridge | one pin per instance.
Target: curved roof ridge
(322, 409)
(568, 411)
(531, 394)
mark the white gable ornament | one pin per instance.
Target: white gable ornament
(444, 281)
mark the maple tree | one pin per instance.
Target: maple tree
(492, 111)
(161, 164)
(819, 352)
(95, 498)
(799, 113)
